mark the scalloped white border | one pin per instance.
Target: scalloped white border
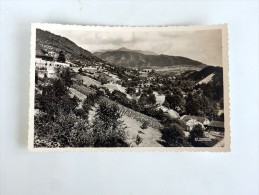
(225, 60)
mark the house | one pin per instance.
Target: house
(61, 65)
(143, 74)
(172, 113)
(46, 65)
(41, 54)
(90, 69)
(216, 126)
(71, 64)
(191, 121)
(42, 60)
(203, 120)
(44, 57)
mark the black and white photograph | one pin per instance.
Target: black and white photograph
(132, 97)
(137, 87)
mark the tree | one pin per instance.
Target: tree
(45, 76)
(205, 106)
(143, 99)
(107, 127)
(66, 76)
(81, 135)
(81, 113)
(59, 122)
(166, 104)
(177, 91)
(120, 97)
(130, 90)
(191, 105)
(36, 77)
(151, 99)
(197, 133)
(66, 130)
(55, 130)
(150, 90)
(107, 92)
(88, 102)
(221, 117)
(167, 121)
(57, 88)
(55, 96)
(103, 80)
(174, 136)
(144, 125)
(174, 98)
(61, 57)
(173, 101)
(80, 70)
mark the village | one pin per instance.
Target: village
(129, 87)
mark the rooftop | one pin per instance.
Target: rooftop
(198, 118)
(219, 124)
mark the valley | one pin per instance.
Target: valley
(160, 100)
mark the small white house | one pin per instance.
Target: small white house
(172, 113)
(191, 121)
(61, 65)
(49, 67)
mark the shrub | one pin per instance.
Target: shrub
(138, 139)
(81, 113)
(144, 125)
(108, 129)
(174, 136)
(196, 133)
(61, 57)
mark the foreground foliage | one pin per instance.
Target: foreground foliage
(60, 122)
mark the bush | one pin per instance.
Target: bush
(174, 136)
(107, 127)
(66, 76)
(65, 130)
(138, 139)
(81, 135)
(196, 133)
(80, 70)
(81, 113)
(144, 125)
(61, 57)
(151, 99)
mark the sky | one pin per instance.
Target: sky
(203, 45)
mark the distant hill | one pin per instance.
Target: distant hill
(47, 42)
(205, 72)
(138, 51)
(210, 80)
(125, 49)
(136, 58)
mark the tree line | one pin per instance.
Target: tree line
(60, 122)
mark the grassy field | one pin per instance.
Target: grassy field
(175, 69)
(149, 136)
(82, 89)
(88, 81)
(137, 137)
(78, 94)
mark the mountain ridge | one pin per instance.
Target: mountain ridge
(132, 58)
(47, 42)
(126, 49)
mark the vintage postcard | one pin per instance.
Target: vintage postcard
(101, 88)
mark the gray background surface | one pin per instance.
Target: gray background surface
(26, 173)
